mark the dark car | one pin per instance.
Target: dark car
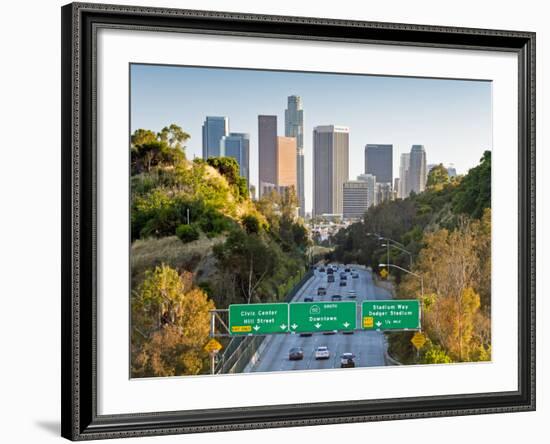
(308, 299)
(330, 278)
(321, 291)
(330, 270)
(295, 354)
(322, 270)
(355, 275)
(336, 297)
(343, 283)
(305, 334)
(347, 332)
(347, 360)
(330, 332)
(343, 277)
(346, 270)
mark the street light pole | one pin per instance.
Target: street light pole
(403, 250)
(421, 286)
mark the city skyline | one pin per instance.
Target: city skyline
(151, 101)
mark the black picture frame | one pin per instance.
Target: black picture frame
(80, 22)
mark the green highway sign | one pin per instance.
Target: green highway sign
(398, 314)
(258, 319)
(322, 316)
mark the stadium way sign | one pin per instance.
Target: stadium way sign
(258, 319)
(322, 316)
(398, 314)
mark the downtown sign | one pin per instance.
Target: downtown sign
(322, 316)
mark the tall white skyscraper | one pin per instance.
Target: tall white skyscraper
(370, 180)
(404, 188)
(330, 168)
(294, 127)
(417, 169)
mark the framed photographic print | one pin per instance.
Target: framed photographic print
(279, 221)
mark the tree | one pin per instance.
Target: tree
(174, 136)
(142, 137)
(474, 192)
(187, 233)
(437, 177)
(170, 324)
(249, 258)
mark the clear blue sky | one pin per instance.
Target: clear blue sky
(451, 118)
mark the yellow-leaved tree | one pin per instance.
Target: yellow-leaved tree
(170, 324)
(455, 266)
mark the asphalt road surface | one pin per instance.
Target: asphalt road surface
(368, 346)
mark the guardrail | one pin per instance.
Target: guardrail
(241, 349)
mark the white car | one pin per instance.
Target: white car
(322, 352)
(352, 294)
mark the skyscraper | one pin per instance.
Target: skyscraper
(286, 163)
(294, 127)
(213, 129)
(356, 199)
(371, 187)
(330, 168)
(404, 186)
(379, 162)
(267, 153)
(417, 169)
(237, 145)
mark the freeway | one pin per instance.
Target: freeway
(369, 347)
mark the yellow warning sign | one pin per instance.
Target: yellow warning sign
(418, 340)
(213, 346)
(368, 322)
(384, 273)
(241, 328)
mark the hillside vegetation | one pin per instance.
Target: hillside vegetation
(199, 242)
(447, 230)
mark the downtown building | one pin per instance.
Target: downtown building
(404, 188)
(237, 145)
(379, 162)
(358, 196)
(276, 158)
(417, 170)
(330, 168)
(213, 130)
(294, 127)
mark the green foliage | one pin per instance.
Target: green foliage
(474, 192)
(437, 177)
(174, 136)
(229, 168)
(251, 224)
(187, 233)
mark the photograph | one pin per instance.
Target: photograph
(287, 221)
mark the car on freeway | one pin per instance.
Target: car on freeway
(321, 291)
(336, 297)
(343, 283)
(347, 270)
(352, 294)
(330, 270)
(322, 352)
(347, 360)
(305, 334)
(330, 278)
(308, 299)
(347, 332)
(295, 354)
(354, 275)
(330, 332)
